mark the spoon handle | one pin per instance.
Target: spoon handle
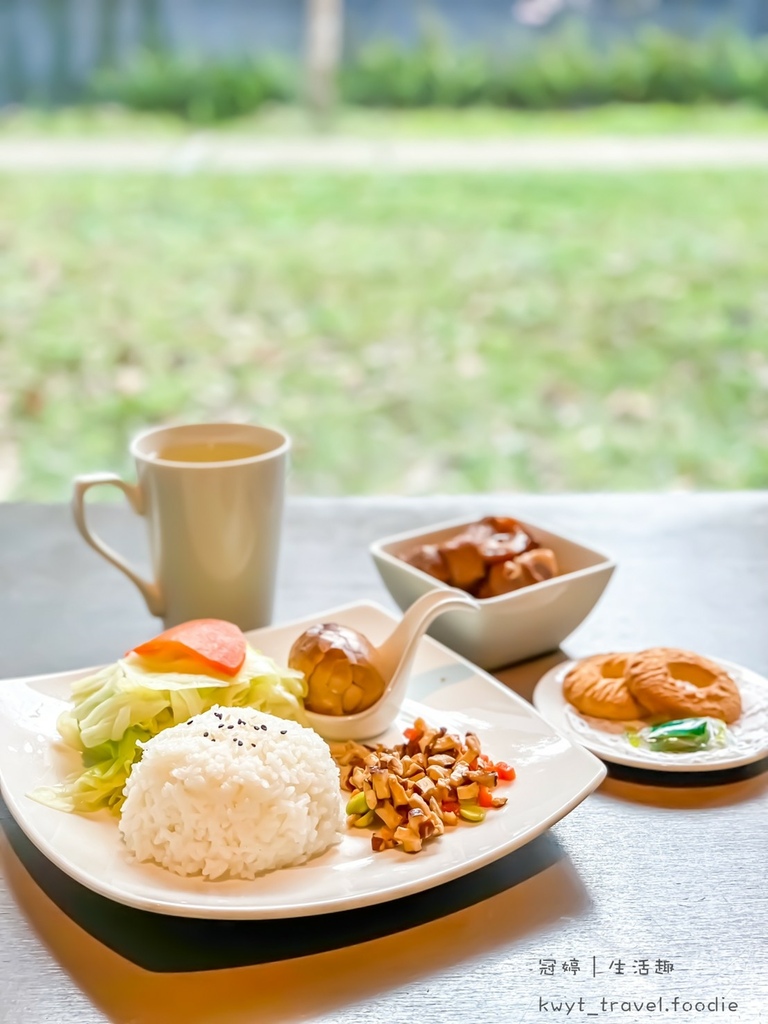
(397, 651)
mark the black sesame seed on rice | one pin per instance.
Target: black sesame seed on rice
(239, 743)
(264, 728)
(283, 732)
(230, 727)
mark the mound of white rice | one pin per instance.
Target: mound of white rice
(232, 792)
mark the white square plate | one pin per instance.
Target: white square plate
(553, 776)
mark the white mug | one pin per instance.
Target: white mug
(212, 496)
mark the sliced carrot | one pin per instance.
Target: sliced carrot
(211, 643)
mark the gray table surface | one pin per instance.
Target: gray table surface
(654, 888)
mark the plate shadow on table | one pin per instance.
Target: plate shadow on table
(163, 943)
(328, 985)
(689, 790)
(688, 780)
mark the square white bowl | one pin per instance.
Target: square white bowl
(512, 627)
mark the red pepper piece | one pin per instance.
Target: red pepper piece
(485, 797)
(505, 771)
(212, 643)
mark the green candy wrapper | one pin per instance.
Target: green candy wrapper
(683, 736)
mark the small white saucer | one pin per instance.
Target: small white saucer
(747, 738)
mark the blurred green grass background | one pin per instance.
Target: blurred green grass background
(455, 332)
(414, 334)
(278, 120)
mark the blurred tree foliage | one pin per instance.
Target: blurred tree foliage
(560, 70)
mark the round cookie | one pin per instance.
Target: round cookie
(681, 684)
(596, 686)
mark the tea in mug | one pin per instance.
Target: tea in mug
(208, 451)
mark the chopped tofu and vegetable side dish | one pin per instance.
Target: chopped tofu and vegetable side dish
(416, 789)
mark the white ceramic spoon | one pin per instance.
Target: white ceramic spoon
(393, 660)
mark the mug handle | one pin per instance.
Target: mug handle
(150, 591)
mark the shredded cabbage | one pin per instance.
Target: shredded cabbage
(122, 706)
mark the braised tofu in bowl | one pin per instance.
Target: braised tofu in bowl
(533, 586)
